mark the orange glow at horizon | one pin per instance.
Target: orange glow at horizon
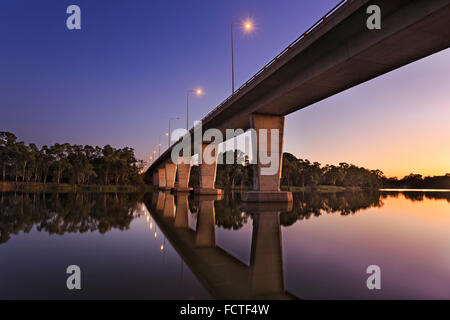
(398, 123)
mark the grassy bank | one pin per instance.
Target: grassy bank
(319, 188)
(53, 187)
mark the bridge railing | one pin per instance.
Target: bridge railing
(281, 54)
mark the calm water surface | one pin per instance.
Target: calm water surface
(161, 246)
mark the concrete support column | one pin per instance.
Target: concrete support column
(182, 211)
(171, 171)
(205, 236)
(184, 173)
(161, 178)
(208, 175)
(155, 178)
(267, 184)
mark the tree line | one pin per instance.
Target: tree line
(299, 172)
(417, 181)
(295, 172)
(66, 163)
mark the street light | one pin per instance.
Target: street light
(247, 25)
(198, 92)
(175, 118)
(153, 155)
(159, 142)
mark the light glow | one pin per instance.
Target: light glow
(248, 25)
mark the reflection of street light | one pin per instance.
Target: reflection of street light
(155, 234)
(247, 27)
(198, 92)
(176, 118)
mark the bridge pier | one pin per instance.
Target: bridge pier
(208, 176)
(184, 172)
(171, 171)
(267, 186)
(161, 178)
(155, 178)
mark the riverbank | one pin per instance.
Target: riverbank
(10, 186)
(319, 188)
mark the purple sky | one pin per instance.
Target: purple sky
(119, 80)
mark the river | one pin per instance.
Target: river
(165, 246)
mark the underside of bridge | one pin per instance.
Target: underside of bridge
(340, 53)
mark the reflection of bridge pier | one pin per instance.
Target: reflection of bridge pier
(266, 259)
(169, 206)
(182, 211)
(224, 276)
(205, 236)
(158, 201)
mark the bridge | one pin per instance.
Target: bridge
(338, 52)
(224, 276)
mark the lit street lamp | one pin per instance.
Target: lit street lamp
(159, 142)
(247, 25)
(198, 92)
(170, 133)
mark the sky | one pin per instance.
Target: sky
(121, 77)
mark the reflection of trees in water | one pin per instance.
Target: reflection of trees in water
(309, 204)
(65, 213)
(418, 195)
(229, 214)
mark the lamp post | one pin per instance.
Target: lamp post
(154, 152)
(247, 26)
(159, 143)
(198, 92)
(170, 133)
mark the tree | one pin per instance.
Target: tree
(60, 161)
(7, 151)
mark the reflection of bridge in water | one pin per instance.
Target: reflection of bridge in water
(224, 276)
